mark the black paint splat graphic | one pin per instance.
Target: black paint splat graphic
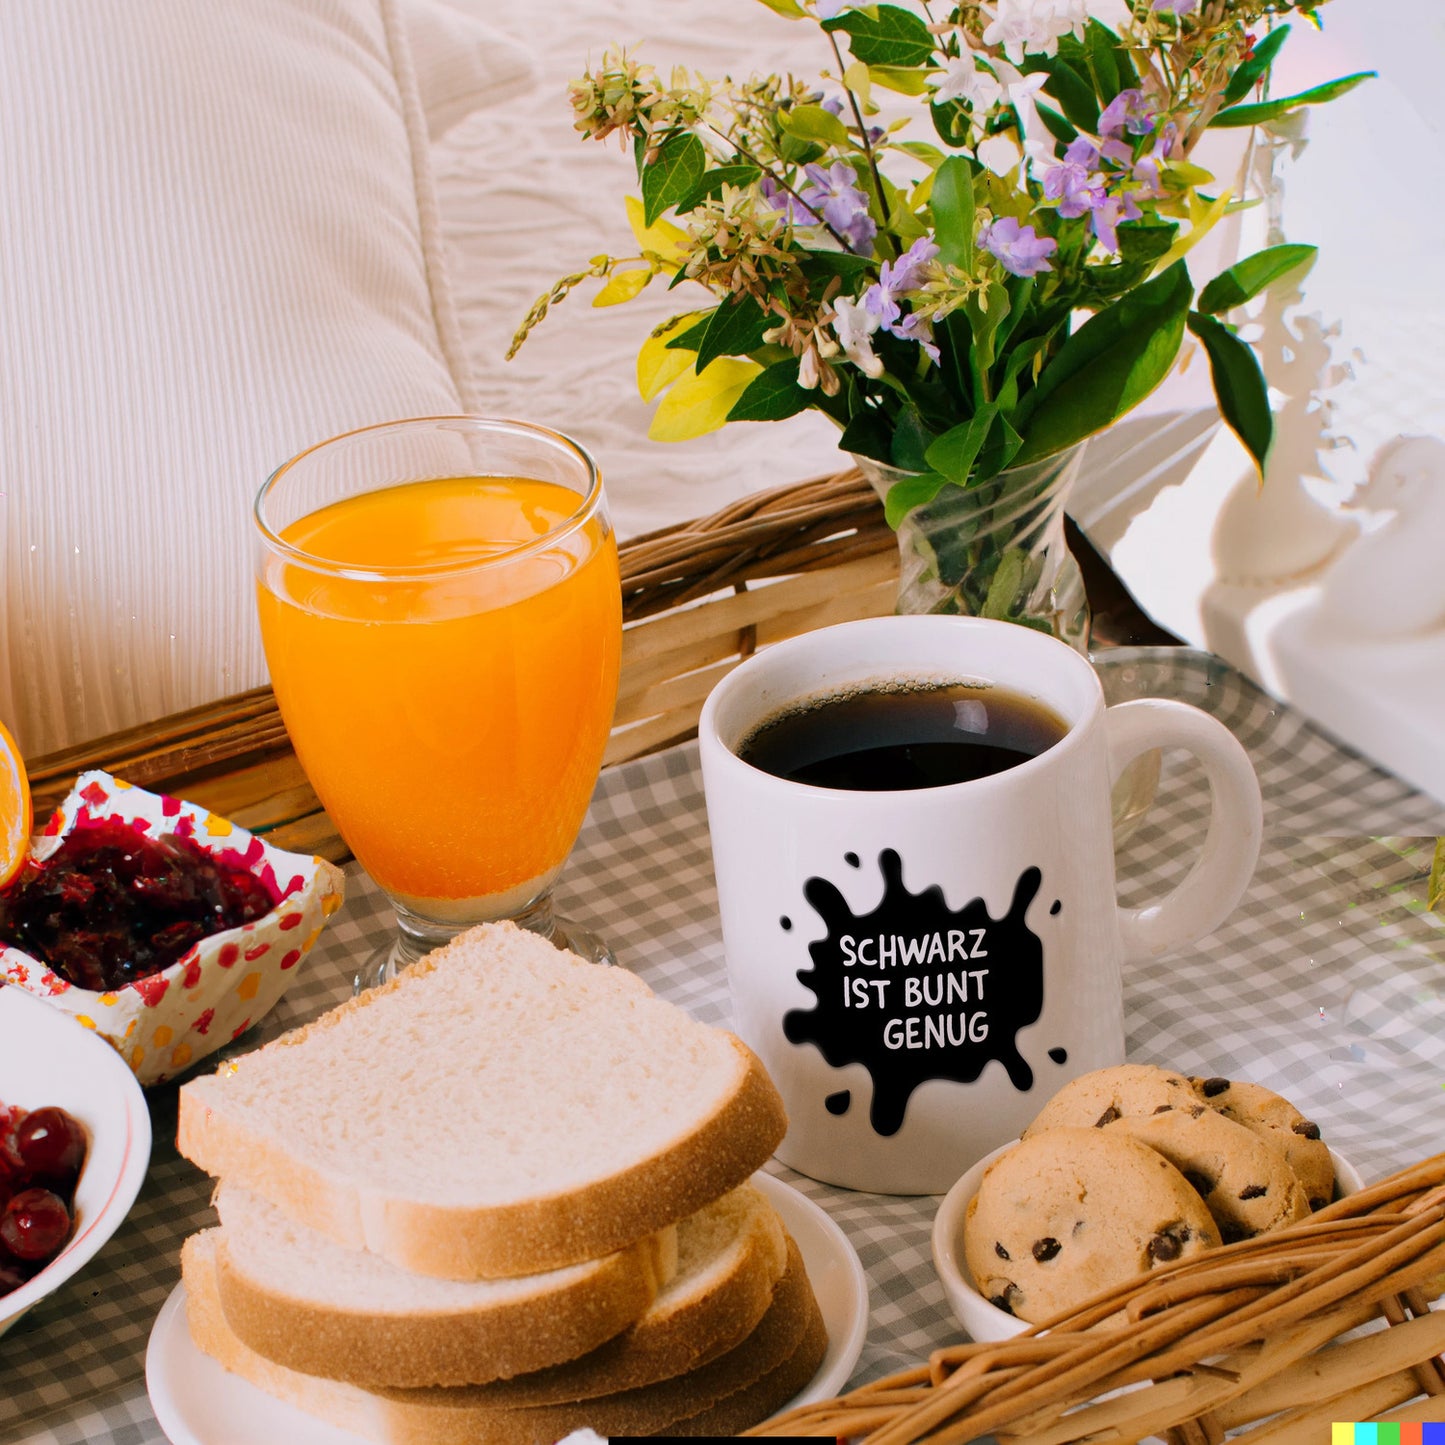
(916, 991)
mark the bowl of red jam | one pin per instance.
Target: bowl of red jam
(166, 929)
(75, 1141)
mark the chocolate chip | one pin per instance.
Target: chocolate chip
(1307, 1128)
(1210, 1087)
(1164, 1109)
(999, 1250)
(1254, 1191)
(1202, 1184)
(1197, 1110)
(1045, 1249)
(1005, 1299)
(1165, 1245)
(1107, 1117)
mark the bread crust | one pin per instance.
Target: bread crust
(707, 1325)
(499, 1240)
(445, 1347)
(744, 1385)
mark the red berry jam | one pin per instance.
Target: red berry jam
(112, 904)
(41, 1154)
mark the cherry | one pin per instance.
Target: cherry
(34, 1225)
(51, 1145)
(112, 904)
(12, 1275)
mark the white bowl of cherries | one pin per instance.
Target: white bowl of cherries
(75, 1141)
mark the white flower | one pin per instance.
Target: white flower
(1000, 154)
(854, 325)
(1033, 26)
(966, 79)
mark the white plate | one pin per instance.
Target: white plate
(199, 1403)
(48, 1058)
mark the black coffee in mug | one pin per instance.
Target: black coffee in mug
(902, 735)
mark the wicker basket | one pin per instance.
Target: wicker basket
(697, 599)
(1263, 1336)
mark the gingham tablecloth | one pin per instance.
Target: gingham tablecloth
(1327, 984)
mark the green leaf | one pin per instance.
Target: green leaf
(788, 9)
(1074, 94)
(691, 339)
(710, 183)
(1056, 125)
(885, 35)
(1435, 896)
(1100, 56)
(1004, 586)
(734, 329)
(1247, 278)
(1252, 71)
(921, 150)
(899, 78)
(813, 123)
(868, 434)
(912, 491)
(773, 395)
(911, 440)
(1239, 385)
(1109, 365)
(1238, 115)
(672, 174)
(954, 453)
(951, 202)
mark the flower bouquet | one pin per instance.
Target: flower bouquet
(966, 245)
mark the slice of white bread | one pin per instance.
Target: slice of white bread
(305, 1302)
(736, 1389)
(500, 1108)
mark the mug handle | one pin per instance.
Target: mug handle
(1215, 884)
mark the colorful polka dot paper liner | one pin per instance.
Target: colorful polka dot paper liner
(162, 1024)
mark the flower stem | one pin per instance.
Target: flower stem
(863, 137)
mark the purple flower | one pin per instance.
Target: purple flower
(779, 198)
(1082, 152)
(1108, 216)
(1131, 111)
(834, 194)
(917, 328)
(897, 279)
(1020, 249)
(1176, 7)
(1076, 188)
(910, 270)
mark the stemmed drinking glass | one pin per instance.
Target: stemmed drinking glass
(441, 613)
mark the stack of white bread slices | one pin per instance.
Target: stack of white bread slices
(501, 1198)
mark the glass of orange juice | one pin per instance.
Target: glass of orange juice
(442, 617)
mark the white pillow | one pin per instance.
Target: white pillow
(218, 245)
(460, 64)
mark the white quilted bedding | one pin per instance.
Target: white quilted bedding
(524, 200)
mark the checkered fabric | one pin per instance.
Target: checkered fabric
(1327, 984)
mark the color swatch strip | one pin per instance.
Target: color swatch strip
(1383, 1433)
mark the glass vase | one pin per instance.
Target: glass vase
(994, 548)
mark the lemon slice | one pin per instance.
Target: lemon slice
(15, 814)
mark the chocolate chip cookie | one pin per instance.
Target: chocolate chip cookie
(1070, 1212)
(1245, 1183)
(1278, 1122)
(1125, 1090)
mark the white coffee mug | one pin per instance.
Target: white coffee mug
(919, 970)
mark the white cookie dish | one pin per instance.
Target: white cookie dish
(984, 1321)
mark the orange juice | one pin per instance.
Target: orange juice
(450, 698)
